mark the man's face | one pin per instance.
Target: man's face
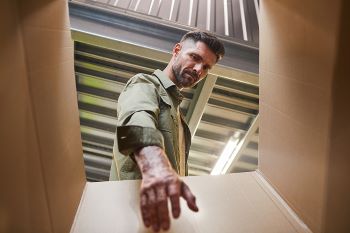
(192, 61)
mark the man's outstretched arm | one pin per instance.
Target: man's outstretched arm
(137, 120)
(160, 183)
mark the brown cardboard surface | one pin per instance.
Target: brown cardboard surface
(298, 48)
(53, 11)
(47, 47)
(21, 178)
(49, 56)
(338, 185)
(41, 169)
(230, 203)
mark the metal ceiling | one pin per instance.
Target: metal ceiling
(109, 49)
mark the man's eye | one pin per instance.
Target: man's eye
(194, 57)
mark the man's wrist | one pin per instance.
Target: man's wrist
(151, 158)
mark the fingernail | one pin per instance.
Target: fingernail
(156, 228)
(147, 223)
(195, 208)
(166, 226)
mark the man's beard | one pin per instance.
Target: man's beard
(182, 81)
(177, 73)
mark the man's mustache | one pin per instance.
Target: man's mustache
(193, 74)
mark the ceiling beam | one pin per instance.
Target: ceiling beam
(243, 143)
(199, 101)
(88, 149)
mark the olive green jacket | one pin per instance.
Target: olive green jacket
(147, 115)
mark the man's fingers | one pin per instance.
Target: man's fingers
(162, 206)
(154, 202)
(174, 194)
(189, 197)
(144, 210)
(152, 209)
(175, 206)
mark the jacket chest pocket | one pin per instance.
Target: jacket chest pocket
(167, 115)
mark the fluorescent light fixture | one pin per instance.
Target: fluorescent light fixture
(227, 155)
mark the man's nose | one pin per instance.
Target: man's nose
(199, 69)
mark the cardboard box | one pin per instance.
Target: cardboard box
(303, 163)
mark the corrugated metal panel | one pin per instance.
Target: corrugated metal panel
(230, 18)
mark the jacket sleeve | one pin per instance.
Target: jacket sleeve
(138, 110)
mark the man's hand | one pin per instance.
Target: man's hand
(160, 182)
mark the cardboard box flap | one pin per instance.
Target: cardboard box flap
(238, 203)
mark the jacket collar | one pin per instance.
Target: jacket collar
(169, 85)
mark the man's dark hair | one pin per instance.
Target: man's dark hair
(207, 38)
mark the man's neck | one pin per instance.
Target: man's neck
(170, 74)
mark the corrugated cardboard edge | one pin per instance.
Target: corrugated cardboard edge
(77, 214)
(290, 215)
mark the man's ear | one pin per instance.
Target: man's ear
(177, 49)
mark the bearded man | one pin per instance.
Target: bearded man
(153, 140)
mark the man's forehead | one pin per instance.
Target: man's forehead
(199, 46)
(188, 43)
